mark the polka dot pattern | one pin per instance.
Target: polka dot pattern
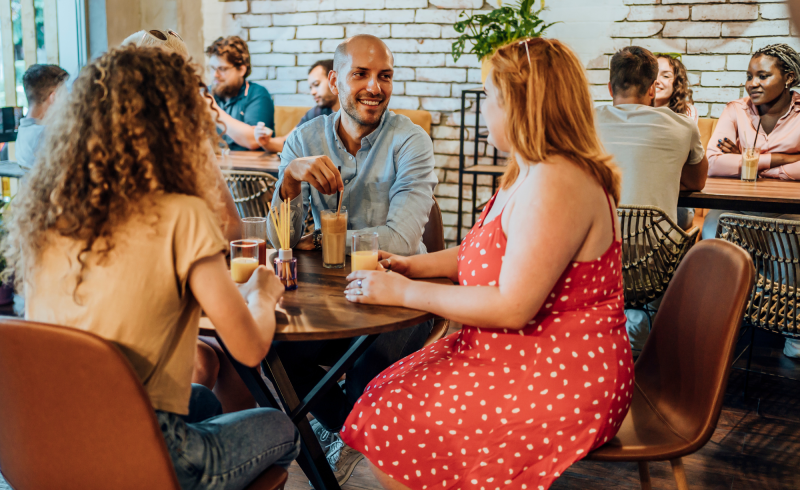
(488, 409)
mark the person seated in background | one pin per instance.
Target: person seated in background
(672, 87)
(241, 105)
(144, 230)
(771, 103)
(658, 150)
(522, 391)
(41, 84)
(326, 102)
(672, 90)
(387, 183)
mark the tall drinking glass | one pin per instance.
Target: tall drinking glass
(256, 229)
(750, 164)
(364, 252)
(334, 238)
(244, 259)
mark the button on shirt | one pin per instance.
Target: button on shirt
(388, 184)
(251, 105)
(738, 123)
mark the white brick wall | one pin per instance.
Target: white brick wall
(716, 37)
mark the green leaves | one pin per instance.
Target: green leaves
(501, 26)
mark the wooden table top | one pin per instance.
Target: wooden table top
(764, 195)
(318, 310)
(260, 161)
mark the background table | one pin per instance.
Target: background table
(765, 195)
(260, 161)
(318, 310)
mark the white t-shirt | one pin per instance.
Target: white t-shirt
(650, 145)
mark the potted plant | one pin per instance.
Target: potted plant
(501, 26)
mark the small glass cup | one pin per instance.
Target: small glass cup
(256, 229)
(364, 251)
(244, 259)
(750, 158)
(286, 269)
(334, 238)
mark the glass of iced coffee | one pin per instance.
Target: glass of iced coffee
(334, 238)
(750, 164)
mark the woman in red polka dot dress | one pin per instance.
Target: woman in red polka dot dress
(541, 373)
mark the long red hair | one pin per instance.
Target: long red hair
(549, 109)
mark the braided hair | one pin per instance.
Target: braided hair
(787, 57)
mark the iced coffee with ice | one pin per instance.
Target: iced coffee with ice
(750, 164)
(334, 238)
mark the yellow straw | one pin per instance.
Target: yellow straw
(275, 224)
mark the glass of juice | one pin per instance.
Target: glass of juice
(256, 229)
(750, 164)
(364, 252)
(334, 238)
(244, 259)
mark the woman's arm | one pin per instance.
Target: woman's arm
(244, 317)
(545, 232)
(438, 264)
(720, 162)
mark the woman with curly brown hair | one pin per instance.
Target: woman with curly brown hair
(116, 231)
(672, 87)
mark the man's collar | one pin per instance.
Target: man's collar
(370, 138)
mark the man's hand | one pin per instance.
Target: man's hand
(262, 134)
(319, 171)
(306, 243)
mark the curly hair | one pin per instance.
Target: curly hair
(233, 49)
(681, 93)
(788, 59)
(135, 125)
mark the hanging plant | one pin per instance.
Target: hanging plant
(503, 25)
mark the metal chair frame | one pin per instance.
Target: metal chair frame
(653, 247)
(774, 304)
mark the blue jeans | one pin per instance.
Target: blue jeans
(215, 452)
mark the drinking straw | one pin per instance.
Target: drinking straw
(275, 224)
(339, 196)
(757, 130)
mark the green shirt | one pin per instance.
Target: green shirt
(251, 105)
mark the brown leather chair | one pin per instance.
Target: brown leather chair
(681, 375)
(433, 238)
(75, 416)
(287, 117)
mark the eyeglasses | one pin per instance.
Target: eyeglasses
(218, 69)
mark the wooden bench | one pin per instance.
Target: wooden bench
(287, 117)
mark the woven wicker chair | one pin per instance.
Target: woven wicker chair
(652, 248)
(774, 246)
(251, 191)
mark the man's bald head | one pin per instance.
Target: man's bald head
(359, 43)
(363, 68)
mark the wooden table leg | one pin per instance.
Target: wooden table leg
(680, 474)
(644, 475)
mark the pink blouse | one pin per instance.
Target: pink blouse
(738, 123)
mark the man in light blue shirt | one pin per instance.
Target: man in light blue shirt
(387, 183)
(41, 84)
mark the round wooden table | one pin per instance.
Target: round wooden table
(318, 310)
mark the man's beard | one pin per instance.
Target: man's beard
(225, 90)
(350, 108)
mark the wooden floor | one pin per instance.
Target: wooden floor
(756, 444)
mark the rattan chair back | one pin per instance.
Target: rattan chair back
(251, 191)
(774, 246)
(652, 248)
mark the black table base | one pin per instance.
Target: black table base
(312, 458)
